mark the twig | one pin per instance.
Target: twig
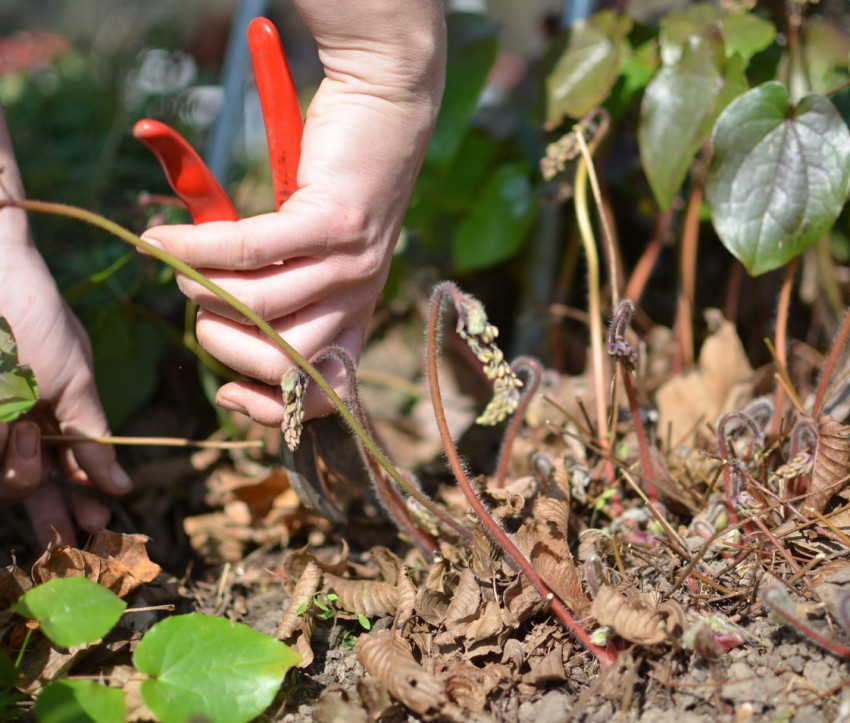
(152, 441)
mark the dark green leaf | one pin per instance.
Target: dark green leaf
(779, 175)
(208, 668)
(8, 672)
(72, 611)
(472, 47)
(747, 34)
(496, 226)
(126, 352)
(79, 701)
(679, 109)
(18, 390)
(586, 71)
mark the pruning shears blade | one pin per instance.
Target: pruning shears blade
(280, 106)
(187, 173)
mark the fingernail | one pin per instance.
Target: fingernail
(231, 406)
(119, 478)
(26, 440)
(153, 242)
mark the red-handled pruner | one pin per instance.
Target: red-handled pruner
(189, 176)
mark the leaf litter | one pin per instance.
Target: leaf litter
(710, 613)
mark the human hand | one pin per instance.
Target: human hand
(315, 269)
(52, 341)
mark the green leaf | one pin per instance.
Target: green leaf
(680, 27)
(79, 701)
(495, 228)
(126, 353)
(747, 34)
(72, 611)
(208, 668)
(586, 71)
(8, 671)
(18, 390)
(779, 175)
(472, 47)
(679, 109)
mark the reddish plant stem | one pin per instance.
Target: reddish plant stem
(646, 263)
(643, 443)
(829, 365)
(388, 494)
(687, 295)
(532, 383)
(605, 655)
(781, 346)
(733, 291)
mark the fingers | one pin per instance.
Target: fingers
(263, 403)
(22, 463)
(298, 229)
(272, 292)
(248, 351)
(78, 411)
(46, 510)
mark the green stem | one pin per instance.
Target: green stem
(61, 209)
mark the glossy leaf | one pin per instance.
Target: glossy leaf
(679, 109)
(495, 228)
(586, 71)
(72, 611)
(208, 668)
(779, 175)
(18, 390)
(472, 51)
(79, 701)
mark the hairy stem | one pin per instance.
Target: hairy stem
(687, 296)
(533, 376)
(606, 657)
(61, 209)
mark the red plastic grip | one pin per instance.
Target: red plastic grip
(279, 103)
(188, 175)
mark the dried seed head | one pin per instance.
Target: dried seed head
(618, 346)
(480, 335)
(293, 384)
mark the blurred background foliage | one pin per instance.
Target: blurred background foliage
(481, 205)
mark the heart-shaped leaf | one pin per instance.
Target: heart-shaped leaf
(679, 109)
(18, 390)
(79, 701)
(678, 27)
(588, 67)
(779, 175)
(72, 611)
(208, 668)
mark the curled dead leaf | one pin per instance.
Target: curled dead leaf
(117, 561)
(371, 598)
(832, 462)
(637, 617)
(387, 657)
(294, 627)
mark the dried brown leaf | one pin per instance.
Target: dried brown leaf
(521, 601)
(388, 658)
(431, 605)
(469, 686)
(294, 628)
(371, 598)
(635, 616)
(721, 382)
(832, 462)
(104, 560)
(485, 625)
(551, 668)
(464, 604)
(337, 704)
(14, 582)
(406, 607)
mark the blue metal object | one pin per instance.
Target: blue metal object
(575, 10)
(236, 61)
